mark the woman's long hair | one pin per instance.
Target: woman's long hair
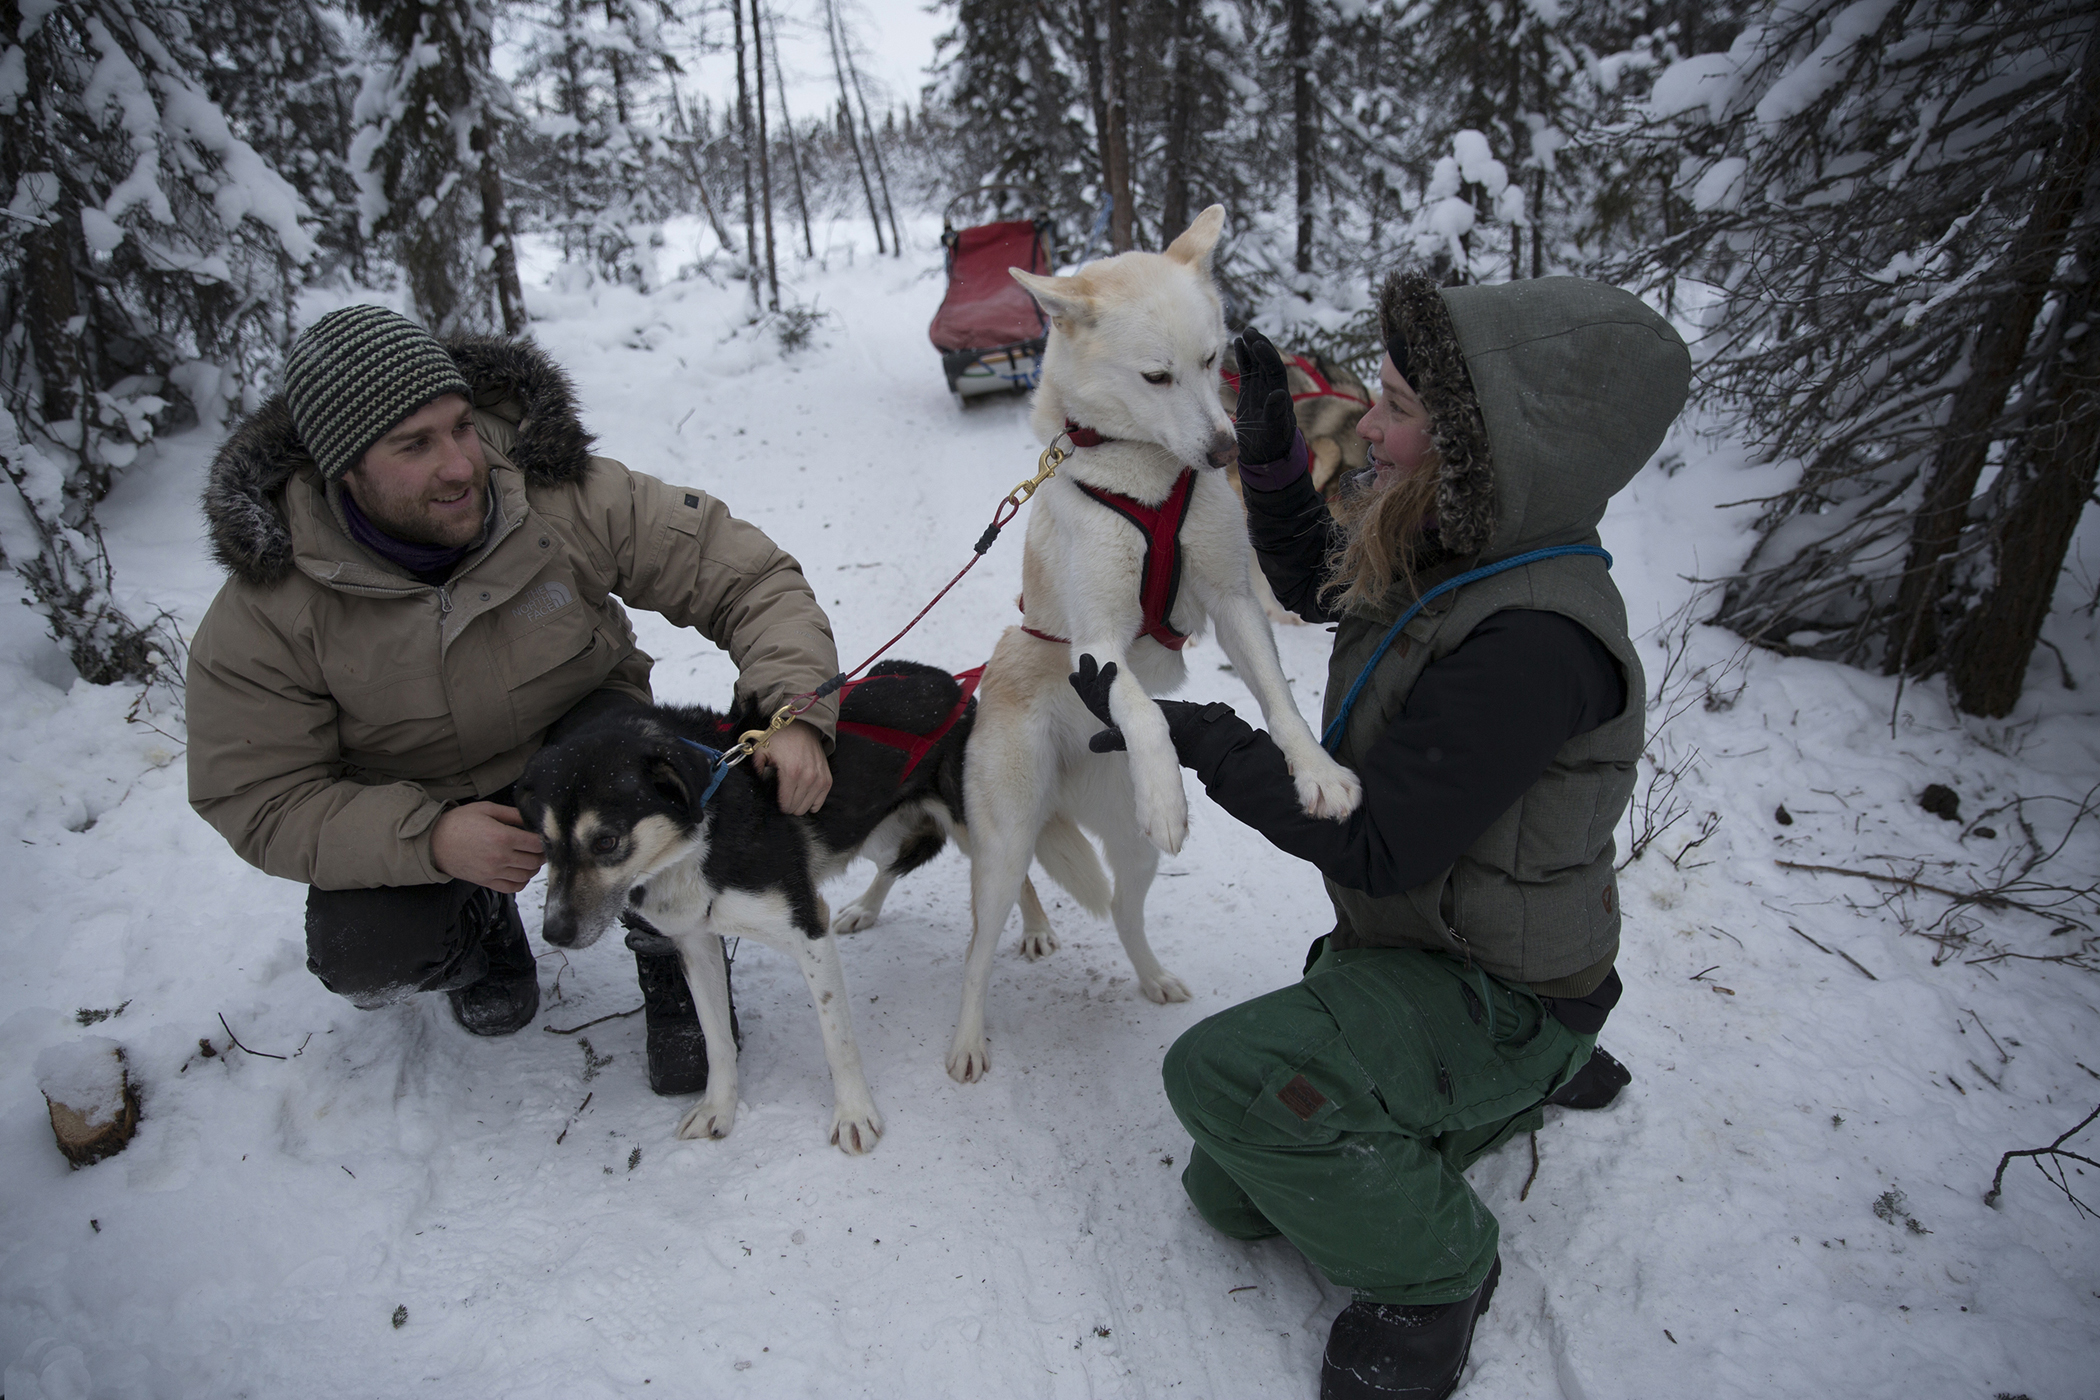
(1384, 537)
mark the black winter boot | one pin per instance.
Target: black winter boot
(676, 1047)
(507, 996)
(1595, 1084)
(1386, 1351)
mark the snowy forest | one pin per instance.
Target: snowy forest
(1870, 553)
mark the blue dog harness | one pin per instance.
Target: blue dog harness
(1333, 736)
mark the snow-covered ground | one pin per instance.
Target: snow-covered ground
(1787, 1201)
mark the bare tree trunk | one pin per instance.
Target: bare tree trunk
(1299, 49)
(743, 131)
(838, 67)
(809, 241)
(497, 236)
(1994, 369)
(882, 175)
(2057, 457)
(765, 159)
(688, 147)
(1097, 91)
(1174, 209)
(1114, 66)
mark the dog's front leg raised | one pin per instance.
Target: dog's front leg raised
(855, 1124)
(707, 975)
(1155, 771)
(1325, 787)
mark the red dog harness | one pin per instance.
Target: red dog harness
(914, 746)
(1161, 527)
(1321, 388)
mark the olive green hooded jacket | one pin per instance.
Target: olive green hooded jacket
(1546, 397)
(337, 706)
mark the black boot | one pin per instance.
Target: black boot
(1595, 1084)
(1385, 1351)
(676, 1047)
(505, 998)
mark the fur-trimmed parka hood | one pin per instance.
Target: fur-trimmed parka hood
(513, 380)
(1546, 396)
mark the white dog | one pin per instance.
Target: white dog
(1131, 368)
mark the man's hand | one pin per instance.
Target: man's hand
(485, 843)
(1262, 416)
(805, 773)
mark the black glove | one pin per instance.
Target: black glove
(1093, 680)
(1185, 719)
(1262, 415)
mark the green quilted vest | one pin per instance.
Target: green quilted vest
(1577, 383)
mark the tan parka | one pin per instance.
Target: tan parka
(337, 706)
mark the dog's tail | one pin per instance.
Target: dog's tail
(1070, 859)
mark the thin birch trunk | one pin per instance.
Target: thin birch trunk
(765, 158)
(838, 67)
(809, 242)
(743, 129)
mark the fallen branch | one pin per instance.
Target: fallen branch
(259, 1054)
(571, 1030)
(1988, 899)
(2054, 1149)
(1839, 953)
(1526, 1192)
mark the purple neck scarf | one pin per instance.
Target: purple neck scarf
(431, 563)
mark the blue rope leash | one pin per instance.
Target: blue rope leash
(1333, 736)
(718, 767)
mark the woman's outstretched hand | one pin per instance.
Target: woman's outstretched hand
(1262, 416)
(1093, 682)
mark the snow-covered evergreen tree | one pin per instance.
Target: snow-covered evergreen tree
(1895, 204)
(144, 254)
(599, 73)
(432, 119)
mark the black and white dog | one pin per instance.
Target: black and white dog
(622, 806)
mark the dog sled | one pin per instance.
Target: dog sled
(989, 331)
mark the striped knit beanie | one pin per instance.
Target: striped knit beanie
(357, 372)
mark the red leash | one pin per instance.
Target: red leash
(1002, 515)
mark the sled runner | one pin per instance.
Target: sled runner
(988, 330)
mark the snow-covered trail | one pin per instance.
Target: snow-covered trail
(400, 1210)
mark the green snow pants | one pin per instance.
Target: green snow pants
(1343, 1111)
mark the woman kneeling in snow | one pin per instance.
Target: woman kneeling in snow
(1496, 725)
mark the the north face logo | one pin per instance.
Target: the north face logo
(541, 600)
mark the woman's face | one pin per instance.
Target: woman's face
(1397, 427)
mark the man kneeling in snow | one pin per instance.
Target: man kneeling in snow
(424, 561)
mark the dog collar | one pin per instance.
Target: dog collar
(717, 768)
(1084, 437)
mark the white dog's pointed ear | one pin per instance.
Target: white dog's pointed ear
(1197, 242)
(1061, 298)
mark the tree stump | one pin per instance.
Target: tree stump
(94, 1107)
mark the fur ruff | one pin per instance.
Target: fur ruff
(1410, 307)
(514, 379)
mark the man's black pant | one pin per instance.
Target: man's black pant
(378, 946)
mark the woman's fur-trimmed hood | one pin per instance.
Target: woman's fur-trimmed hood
(511, 379)
(1546, 397)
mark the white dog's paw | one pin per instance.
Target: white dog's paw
(969, 1061)
(1325, 788)
(1162, 807)
(709, 1118)
(854, 917)
(1038, 942)
(1164, 988)
(855, 1130)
